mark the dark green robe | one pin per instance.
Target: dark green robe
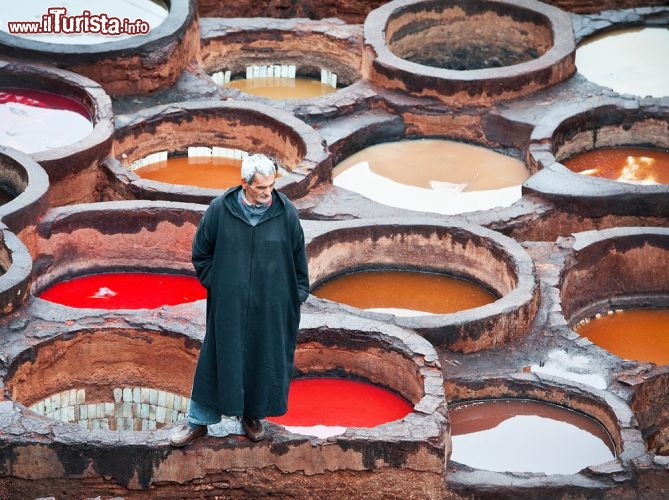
(256, 278)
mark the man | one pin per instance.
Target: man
(249, 253)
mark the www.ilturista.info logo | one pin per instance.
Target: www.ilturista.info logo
(56, 21)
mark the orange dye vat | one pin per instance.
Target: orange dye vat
(125, 291)
(636, 165)
(209, 172)
(341, 402)
(426, 292)
(515, 435)
(636, 334)
(282, 88)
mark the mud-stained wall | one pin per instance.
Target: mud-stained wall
(351, 11)
(604, 270)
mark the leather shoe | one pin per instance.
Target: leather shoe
(186, 434)
(253, 429)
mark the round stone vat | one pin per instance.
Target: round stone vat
(468, 53)
(467, 251)
(235, 127)
(650, 404)
(63, 376)
(147, 59)
(124, 236)
(15, 269)
(270, 54)
(72, 169)
(605, 126)
(23, 189)
(614, 416)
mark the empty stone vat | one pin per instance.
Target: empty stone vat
(485, 257)
(468, 53)
(245, 127)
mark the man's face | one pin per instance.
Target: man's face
(259, 190)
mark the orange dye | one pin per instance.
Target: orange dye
(212, 172)
(426, 292)
(636, 334)
(526, 436)
(282, 88)
(640, 165)
(440, 164)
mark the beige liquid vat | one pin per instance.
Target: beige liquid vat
(433, 175)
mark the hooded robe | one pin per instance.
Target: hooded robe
(256, 278)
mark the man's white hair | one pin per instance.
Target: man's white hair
(257, 164)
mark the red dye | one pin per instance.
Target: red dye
(340, 402)
(39, 99)
(125, 291)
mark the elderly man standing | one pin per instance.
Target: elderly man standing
(249, 253)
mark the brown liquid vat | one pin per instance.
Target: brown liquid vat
(403, 31)
(311, 46)
(609, 410)
(135, 65)
(163, 357)
(113, 236)
(593, 127)
(73, 170)
(249, 127)
(461, 250)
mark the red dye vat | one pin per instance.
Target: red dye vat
(125, 291)
(340, 402)
(39, 99)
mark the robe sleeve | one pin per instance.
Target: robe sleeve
(300, 259)
(204, 244)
